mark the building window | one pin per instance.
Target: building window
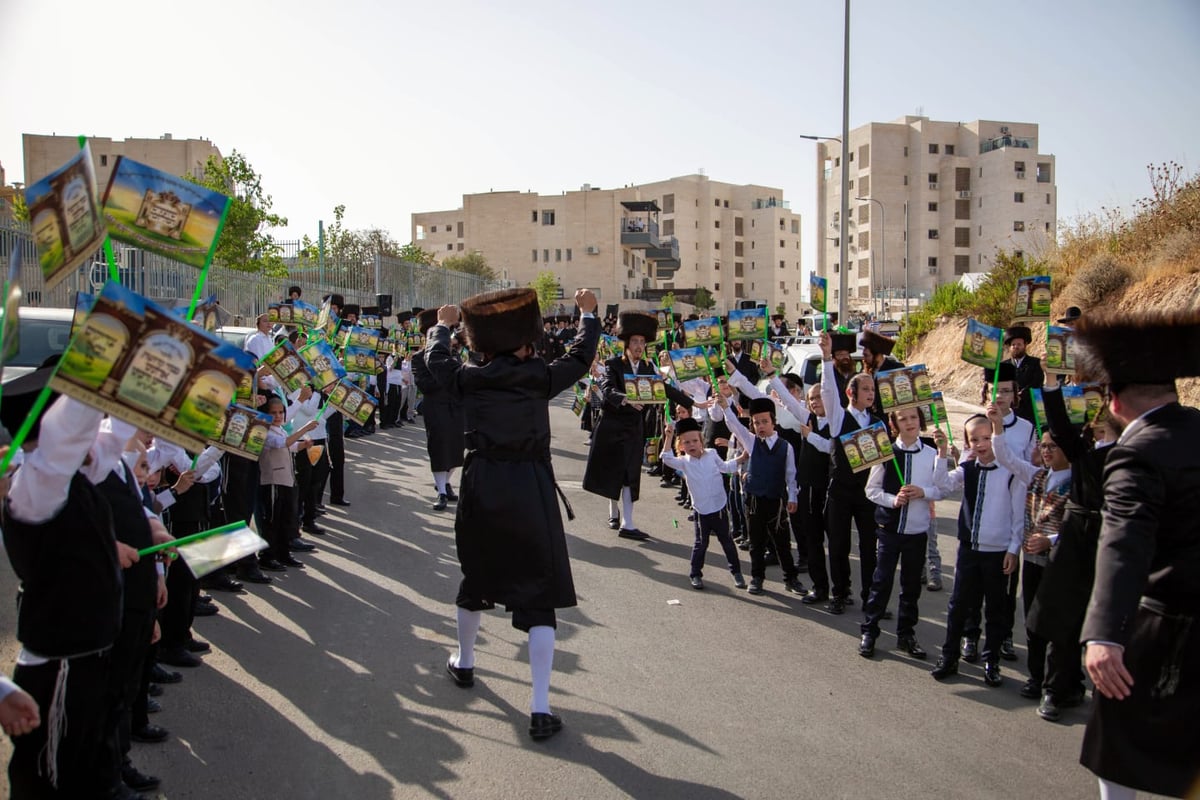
(104, 160)
(981, 230)
(668, 204)
(716, 202)
(716, 245)
(796, 227)
(933, 206)
(546, 255)
(460, 246)
(836, 268)
(1018, 225)
(716, 223)
(739, 290)
(933, 149)
(851, 156)
(933, 262)
(864, 156)
(962, 265)
(906, 180)
(535, 256)
(864, 268)
(1047, 227)
(568, 254)
(460, 230)
(837, 242)
(949, 149)
(981, 172)
(433, 228)
(864, 240)
(558, 254)
(781, 266)
(535, 216)
(933, 177)
(738, 269)
(449, 246)
(1043, 172)
(837, 162)
(864, 213)
(962, 209)
(668, 227)
(547, 217)
(1019, 254)
(738, 248)
(1047, 198)
(717, 266)
(716, 287)
(1018, 197)
(782, 243)
(933, 234)
(906, 151)
(727, 204)
(962, 237)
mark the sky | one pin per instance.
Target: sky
(392, 108)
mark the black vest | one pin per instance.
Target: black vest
(132, 528)
(892, 519)
(768, 469)
(70, 600)
(813, 467)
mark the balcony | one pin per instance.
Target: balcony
(666, 269)
(667, 250)
(639, 226)
(771, 202)
(1001, 142)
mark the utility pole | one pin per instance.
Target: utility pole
(845, 212)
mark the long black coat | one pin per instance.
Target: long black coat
(1149, 555)
(619, 440)
(442, 411)
(1029, 376)
(508, 527)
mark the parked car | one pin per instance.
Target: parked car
(44, 332)
(234, 334)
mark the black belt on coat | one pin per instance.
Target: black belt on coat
(502, 454)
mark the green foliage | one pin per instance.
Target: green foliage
(992, 301)
(472, 263)
(704, 300)
(245, 244)
(668, 300)
(20, 210)
(781, 308)
(415, 254)
(948, 300)
(546, 286)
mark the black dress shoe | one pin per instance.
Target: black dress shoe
(633, 533)
(320, 508)
(970, 650)
(179, 657)
(221, 582)
(342, 503)
(149, 734)
(866, 646)
(271, 565)
(313, 528)
(1031, 690)
(543, 726)
(155, 690)
(253, 575)
(301, 546)
(152, 707)
(944, 668)
(1007, 651)
(138, 781)
(204, 609)
(440, 505)
(814, 597)
(1048, 709)
(887, 614)
(910, 645)
(198, 646)
(292, 562)
(836, 606)
(795, 587)
(463, 676)
(991, 675)
(450, 495)
(614, 523)
(161, 675)
(205, 598)
(755, 586)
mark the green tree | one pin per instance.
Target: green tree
(704, 300)
(245, 243)
(415, 254)
(473, 263)
(668, 300)
(546, 286)
(781, 309)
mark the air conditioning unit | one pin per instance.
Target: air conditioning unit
(933, 186)
(1020, 174)
(593, 251)
(933, 270)
(964, 195)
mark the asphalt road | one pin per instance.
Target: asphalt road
(331, 683)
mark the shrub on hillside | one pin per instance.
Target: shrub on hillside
(1097, 281)
(947, 301)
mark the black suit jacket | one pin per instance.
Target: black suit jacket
(1029, 376)
(1150, 536)
(747, 367)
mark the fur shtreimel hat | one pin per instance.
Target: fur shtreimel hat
(879, 345)
(337, 300)
(1018, 332)
(1007, 373)
(426, 319)
(843, 341)
(762, 405)
(686, 425)
(637, 323)
(501, 321)
(1148, 347)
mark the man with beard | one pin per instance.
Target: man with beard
(877, 358)
(843, 346)
(614, 466)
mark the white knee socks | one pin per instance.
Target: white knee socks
(1115, 791)
(541, 662)
(440, 480)
(468, 629)
(627, 508)
(614, 509)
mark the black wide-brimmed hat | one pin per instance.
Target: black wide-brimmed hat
(337, 300)
(427, 319)
(351, 308)
(686, 425)
(843, 341)
(637, 323)
(879, 345)
(1018, 332)
(501, 321)
(1144, 347)
(762, 405)
(1007, 372)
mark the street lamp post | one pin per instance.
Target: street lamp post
(882, 244)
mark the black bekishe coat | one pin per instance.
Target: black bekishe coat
(508, 527)
(442, 413)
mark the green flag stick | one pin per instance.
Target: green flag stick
(1037, 421)
(233, 526)
(996, 376)
(899, 474)
(208, 262)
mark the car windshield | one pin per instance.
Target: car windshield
(40, 339)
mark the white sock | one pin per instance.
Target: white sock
(614, 508)
(627, 508)
(449, 479)
(439, 480)
(468, 629)
(541, 662)
(1115, 791)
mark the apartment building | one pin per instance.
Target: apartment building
(44, 154)
(741, 242)
(931, 200)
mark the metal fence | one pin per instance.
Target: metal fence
(242, 294)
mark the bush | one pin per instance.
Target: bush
(1102, 277)
(947, 301)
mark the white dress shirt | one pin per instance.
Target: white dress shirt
(703, 476)
(922, 471)
(1001, 521)
(746, 439)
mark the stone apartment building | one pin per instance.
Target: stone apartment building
(948, 196)
(741, 242)
(44, 154)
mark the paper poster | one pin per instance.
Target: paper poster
(244, 432)
(689, 362)
(83, 306)
(818, 293)
(10, 328)
(904, 388)
(943, 416)
(1039, 406)
(867, 447)
(287, 367)
(645, 389)
(370, 321)
(353, 401)
(361, 336)
(322, 364)
(748, 323)
(665, 319)
(137, 361)
(163, 213)
(702, 332)
(774, 353)
(982, 345)
(205, 315)
(1076, 404)
(1060, 351)
(610, 347)
(714, 360)
(327, 320)
(279, 313)
(1094, 399)
(64, 216)
(1033, 299)
(360, 359)
(209, 554)
(304, 314)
